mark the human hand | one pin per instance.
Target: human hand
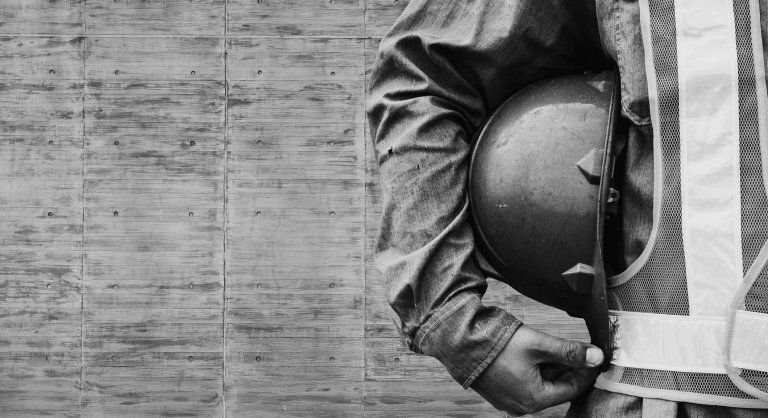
(536, 371)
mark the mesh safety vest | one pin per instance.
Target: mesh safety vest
(690, 317)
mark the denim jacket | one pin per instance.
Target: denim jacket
(440, 71)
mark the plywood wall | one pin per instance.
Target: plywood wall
(188, 202)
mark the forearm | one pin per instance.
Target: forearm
(440, 71)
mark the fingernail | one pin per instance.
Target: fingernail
(594, 356)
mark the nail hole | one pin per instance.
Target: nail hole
(418, 166)
(333, 359)
(258, 142)
(333, 72)
(51, 71)
(191, 142)
(115, 213)
(333, 285)
(191, 358)
(117, 72)
(193, 73)
(117, 142)
(397, 1)
(258, 72)
(333, 213)
(191, 285)
(258, 358)
(113, 358)
(48, 285)
(114, 286)
(48, 357)
(258, 286)
(258, 213)
(332, 142)
(397, 360)
(50, 213)
(50, 142)
(191, 213)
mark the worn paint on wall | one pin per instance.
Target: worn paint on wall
(189, 202)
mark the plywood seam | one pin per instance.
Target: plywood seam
(82, 245)
(225, 218)
(365, 207)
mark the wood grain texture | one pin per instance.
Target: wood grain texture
(296, 217)
(322, 18)
(155, 17)
(153, 216)
(41, 222)
(51, 17)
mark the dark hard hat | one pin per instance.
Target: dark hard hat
(534, 187)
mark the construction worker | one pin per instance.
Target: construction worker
(692, 305)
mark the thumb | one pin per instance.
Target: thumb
(571, 353)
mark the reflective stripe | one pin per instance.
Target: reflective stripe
(709, 130)
(686, 343)
(750, 331)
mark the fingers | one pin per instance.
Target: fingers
(569, 353)
(569, 385)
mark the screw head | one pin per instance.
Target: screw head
(117, 142)
(191, 142)
(114, 286)
(50, 213)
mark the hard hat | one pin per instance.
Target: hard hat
(540, 188)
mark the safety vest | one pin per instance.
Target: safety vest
(689, 318)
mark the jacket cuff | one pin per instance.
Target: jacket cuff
(466, 336)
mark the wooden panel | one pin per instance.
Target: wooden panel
(328, 18)
(295, 228)
(153, 17)
(380, 15)
(154, 59)
(153, 223)
(42, 58)
(41, 227)
(56, 17)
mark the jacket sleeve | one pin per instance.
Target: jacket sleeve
(442, 68)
